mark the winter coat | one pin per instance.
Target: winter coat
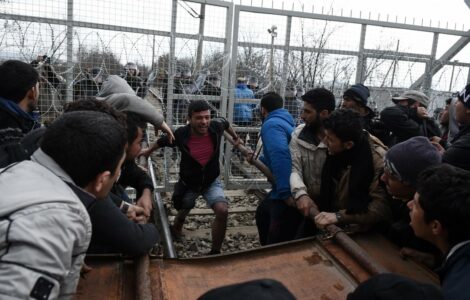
(378, 209)
(458, 153)
(117, 93)
(276, 134)
(44, 231)
(455, 273)
(404, 123)
(307, 163)
(243, 112)
(192, 173)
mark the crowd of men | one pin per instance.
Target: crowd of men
(64, 185)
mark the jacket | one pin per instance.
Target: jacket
(404, 123)
(116, 92)
(193, 175)
(378, 209)
(307, 163)
(458, 153)
(14, 123)
(44, 231)
(243, 112)
(276, 134)
(455, 273)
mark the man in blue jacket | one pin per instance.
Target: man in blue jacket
(277, 217)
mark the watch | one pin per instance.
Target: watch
(339, 217)
(125, 207)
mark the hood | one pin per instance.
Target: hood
(283, 114)
(304, 143)
(114, 85)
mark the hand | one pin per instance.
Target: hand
(325, 218)
(438, 147)
(422, 112)
(145, 201)
(304, 203)
(237, 141)
(145, 152)
(435, 139)
(290, 202)
(166, 129)
(85, 269)
(137, 214)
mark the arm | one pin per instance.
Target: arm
(276, 145)
(400, 123)
(164, 141)
(234, 135)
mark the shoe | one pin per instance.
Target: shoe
(213, 252)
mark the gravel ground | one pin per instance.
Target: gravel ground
(199, 245)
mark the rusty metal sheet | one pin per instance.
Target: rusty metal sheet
(111, 278)
(304, 267)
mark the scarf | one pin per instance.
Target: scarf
(361, 175)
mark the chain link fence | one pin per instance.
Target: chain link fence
(173, 52)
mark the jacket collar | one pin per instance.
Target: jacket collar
(46, 161)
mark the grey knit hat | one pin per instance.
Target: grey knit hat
(408, 159)
(415, 96)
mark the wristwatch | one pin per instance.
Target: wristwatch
(125, 207)
(339, 217)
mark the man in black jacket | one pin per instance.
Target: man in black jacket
(409, 117)
(199, 144)
(458, 153)
(19, 93)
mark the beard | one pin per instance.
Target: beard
(314, 126)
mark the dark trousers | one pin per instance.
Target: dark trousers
(277, 222)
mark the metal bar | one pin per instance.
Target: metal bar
(285, 62)
(428, 74)
(360, 58)
(200, 43)
(444, 59)
(306, 15)
(69, 75)
(143, 290)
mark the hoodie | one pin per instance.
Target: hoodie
(116, 92)
(276, 134)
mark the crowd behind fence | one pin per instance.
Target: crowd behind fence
(172, 52)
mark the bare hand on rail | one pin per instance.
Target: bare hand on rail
(304, 203)
(325, 218)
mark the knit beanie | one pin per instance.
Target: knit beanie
(358, 92)
(408, 159)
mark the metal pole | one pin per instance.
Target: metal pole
(69, 75)
(285, 63)
(200, 38)
(361, 59)
(395, 64)
(429, 75)
(271, 66)
(452, 76)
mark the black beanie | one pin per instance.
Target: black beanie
(358, 92)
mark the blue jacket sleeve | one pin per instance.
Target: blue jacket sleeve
(276, 148)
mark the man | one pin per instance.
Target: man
(440, 214)
(277, 218)
(307, 149)
(356, 98)
(403, 163)
(199, 144)
(243, 112)
(45, 216)
(409, 117)
(118, 226)
(350, 192)
(19, 94)
(134, 80)
(458, 153)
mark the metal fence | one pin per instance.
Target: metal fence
(172, 52)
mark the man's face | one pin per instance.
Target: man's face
(309, 114)
(109, 181)
(334, 144)
(199, 122)
(351, 104)
(444, 116)
(462, 113)
(395, 187)
(134, 149)
(33, 102)
(420, 227)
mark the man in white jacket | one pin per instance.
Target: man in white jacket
(44, 225)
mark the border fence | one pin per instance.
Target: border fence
(173, 52)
